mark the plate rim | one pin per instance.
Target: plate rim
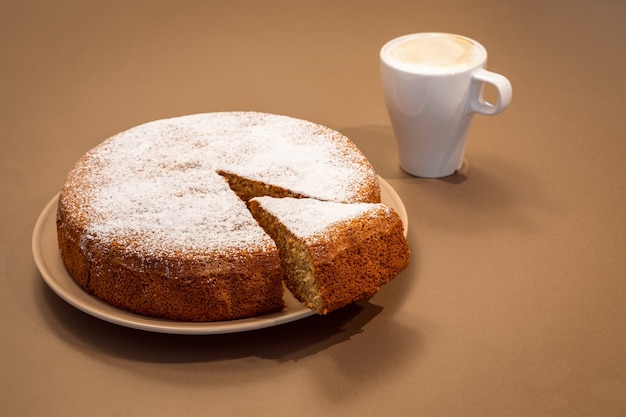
(80, 299)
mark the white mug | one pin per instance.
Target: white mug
(432, 84)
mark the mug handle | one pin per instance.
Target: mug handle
(502, 86)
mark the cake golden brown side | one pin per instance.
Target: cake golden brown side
(180, 285)
(333, 254)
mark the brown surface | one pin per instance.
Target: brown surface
(514, 302)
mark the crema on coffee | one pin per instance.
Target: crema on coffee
(433, 53)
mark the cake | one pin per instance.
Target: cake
(333, 254)
(154, 220)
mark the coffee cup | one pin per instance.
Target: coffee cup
(433, 85)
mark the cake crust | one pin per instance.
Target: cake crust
(380, 254)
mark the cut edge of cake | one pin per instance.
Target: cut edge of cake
(247, 189)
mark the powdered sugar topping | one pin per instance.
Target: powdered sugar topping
(309, 217)
(156, 187)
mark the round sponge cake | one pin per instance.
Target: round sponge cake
(154, 219)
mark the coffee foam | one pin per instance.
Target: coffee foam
(433, 53)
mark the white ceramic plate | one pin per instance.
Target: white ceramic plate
(50, 264)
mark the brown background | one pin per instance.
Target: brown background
(514, 302)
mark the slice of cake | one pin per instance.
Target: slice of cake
(333, 254)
